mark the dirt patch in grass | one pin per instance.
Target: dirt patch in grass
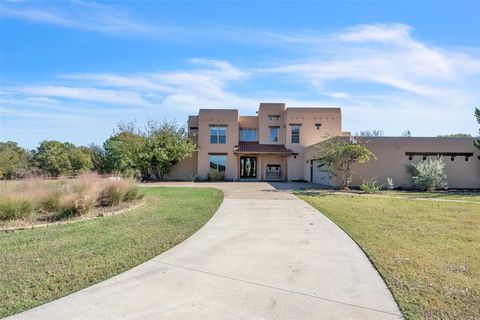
(427, 251)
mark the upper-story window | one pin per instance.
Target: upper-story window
(273, 117)
(295, 134)
(274, 134)
(248, 135)
(218, 135)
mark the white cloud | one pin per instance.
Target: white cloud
(383, 77)
(89, 16)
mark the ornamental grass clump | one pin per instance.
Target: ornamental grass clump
(51, 200)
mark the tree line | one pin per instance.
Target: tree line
(145, 153)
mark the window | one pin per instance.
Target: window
(274, 134)
(218, 135)
(248, 135)
(295, 134)
(273, 117)
(218, 164)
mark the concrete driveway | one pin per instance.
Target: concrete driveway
(264, 255)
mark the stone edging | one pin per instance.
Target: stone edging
(100, 215)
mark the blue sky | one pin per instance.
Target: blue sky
(72, 70)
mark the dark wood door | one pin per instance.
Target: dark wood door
(248, 167)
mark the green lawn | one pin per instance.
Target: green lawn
(427, 251)
(44, 264)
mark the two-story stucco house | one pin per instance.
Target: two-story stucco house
(269, 146)
(278, 144)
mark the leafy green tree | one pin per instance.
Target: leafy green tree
(337, 155)
(125, 153)
(97, 154)
(167, 144)
(80, 159)
(14, 160)
(151, 152)
(477, 115)
(52, 157)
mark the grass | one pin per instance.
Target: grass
(44, 264)
(427, 251)
(37, 200)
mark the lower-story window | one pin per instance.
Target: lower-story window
(218, 164)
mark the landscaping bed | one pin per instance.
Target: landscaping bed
(44, 264)
(427, 251)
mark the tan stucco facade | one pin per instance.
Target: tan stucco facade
(290, 158)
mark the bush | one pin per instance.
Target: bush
(370, 186)
(390, 185)
(16, 208)
(195, 178)
(429, 175)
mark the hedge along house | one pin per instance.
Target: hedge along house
(278, 144)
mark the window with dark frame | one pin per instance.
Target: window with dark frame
(218, 135)
(295, 134)
(248, 135)
(274, 134)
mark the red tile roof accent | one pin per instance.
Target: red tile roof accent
(255, 147)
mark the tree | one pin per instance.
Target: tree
(52, 157)
(336, 156)
(13, 160)
(456, 135)
(97, 154)
(477, 115)
(406, 133)
(370, 133)
(167, 144)
(151, 152)
(80, 159)
(124, 153)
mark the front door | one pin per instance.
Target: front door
(248, 167)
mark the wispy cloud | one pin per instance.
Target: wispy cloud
(381, 75)
(89, 16)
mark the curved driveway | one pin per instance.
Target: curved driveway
(264, 255)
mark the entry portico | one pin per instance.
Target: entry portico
(262, 162)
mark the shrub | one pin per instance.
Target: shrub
(16, 208)
(390, 185)
(370, 186)
(195, 178)
(429, 175)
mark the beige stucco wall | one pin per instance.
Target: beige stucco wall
(392, 161)
(185, 169)
(264, 123)
(248, 122)
(331, 125)
(207, 117)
